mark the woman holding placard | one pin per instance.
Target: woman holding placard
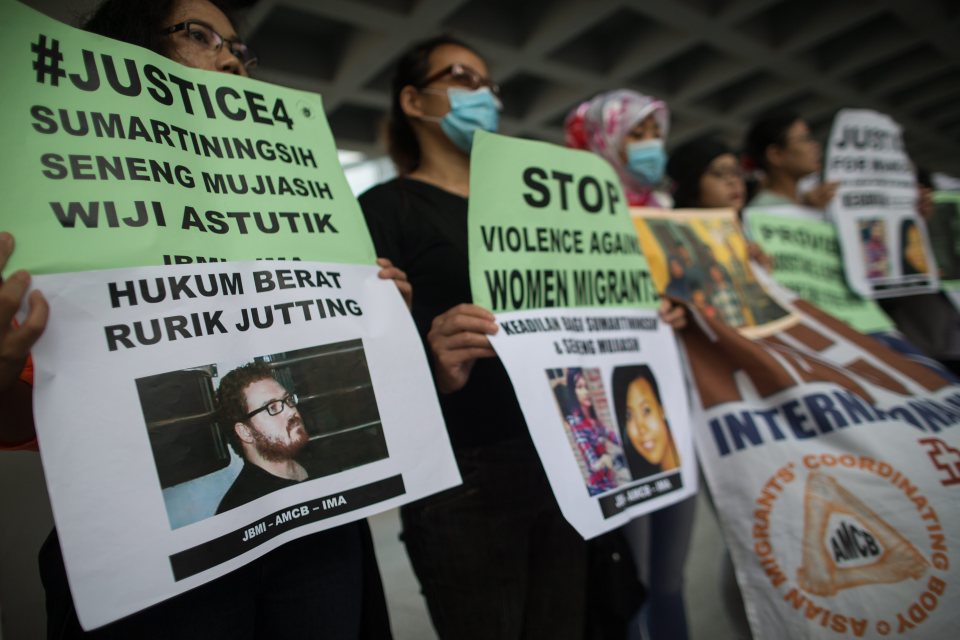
(322, 585)
(495, 557)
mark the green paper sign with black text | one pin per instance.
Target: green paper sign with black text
(126, 158)
(554, 254)
(549, 227)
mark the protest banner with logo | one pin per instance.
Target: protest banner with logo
(944, 227)
(222, 371)
(886, 250)
(806, 259)
(834, 463)
(553, 254)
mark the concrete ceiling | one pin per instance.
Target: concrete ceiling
(718, 63)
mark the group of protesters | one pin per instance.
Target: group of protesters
(494, 556)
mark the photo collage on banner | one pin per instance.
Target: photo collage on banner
(701, 256)
(886, 247)
(805, 250)
(598, 376)
(833, 462)
(222, 370)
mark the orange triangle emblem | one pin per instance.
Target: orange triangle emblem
(846, 544)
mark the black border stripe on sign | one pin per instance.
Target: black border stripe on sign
(217, 551)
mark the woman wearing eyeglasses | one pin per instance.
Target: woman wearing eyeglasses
(494, 556)
(324, 585)
(196, 33)
(706, 174)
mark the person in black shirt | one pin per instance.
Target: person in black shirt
(494, 556)
(267, 432)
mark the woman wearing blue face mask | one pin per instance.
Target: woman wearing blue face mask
(628, 129)
(494, 556)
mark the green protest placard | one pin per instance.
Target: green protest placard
(944, 231)
(119, 157)
(806, 256)
(549, 227)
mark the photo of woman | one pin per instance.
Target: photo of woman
(598, 449)
(648, 445)
(914, 255)
(873, 237)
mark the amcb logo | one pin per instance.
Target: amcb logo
(846, 544)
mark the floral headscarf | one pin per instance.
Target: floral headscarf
(601, 124)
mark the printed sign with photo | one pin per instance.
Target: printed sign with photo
(598, 376)
(234, 422)
(886, 249)
(190, 229)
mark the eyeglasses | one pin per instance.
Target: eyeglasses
(275, 407)
(463, 75)
(205, 38)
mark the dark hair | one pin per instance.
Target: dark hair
(411, 69)
(232, 401)
(770, 128)
(139, 22)
(908, 267)
(623, 377)
(573, 402)
(687, 165)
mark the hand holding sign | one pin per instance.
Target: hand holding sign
(673, 314)
(457, 338)
(15, 342)
(399, 277)
(821, 195)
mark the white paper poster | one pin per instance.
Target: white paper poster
(554, 255)
(155, 488)
(886, 249)
(606, 406)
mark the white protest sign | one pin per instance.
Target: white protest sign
(885, 245)
(148, 498)
(553, 253)
(600, 391)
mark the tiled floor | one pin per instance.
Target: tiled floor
(705, 609)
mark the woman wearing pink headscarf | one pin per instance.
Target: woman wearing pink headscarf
(627, 129)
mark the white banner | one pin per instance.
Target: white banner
(604, 398)
(155, 488)
(885, 245)
(835, 468)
